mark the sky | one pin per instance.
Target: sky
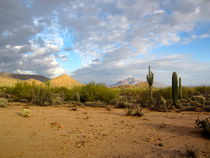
(107, 40)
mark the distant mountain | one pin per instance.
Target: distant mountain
(64, 81)
(132, 82)
(128, 81)
(24, 76)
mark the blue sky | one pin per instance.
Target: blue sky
(107, 40)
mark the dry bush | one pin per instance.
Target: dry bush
(135, 111)
(204, 125)
(191, 152)
(25, 112)
(95, 104)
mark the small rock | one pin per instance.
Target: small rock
(74, 109)
(87, 117)
(160, 144)
(80, 144)
(136, 141)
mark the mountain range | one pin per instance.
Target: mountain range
(10, 79)
(24, 76)
(128, 81)
(132, 82)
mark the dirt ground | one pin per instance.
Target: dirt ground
(60, 132)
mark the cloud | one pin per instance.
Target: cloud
(159, 11)
(110, 71)
(114, 38)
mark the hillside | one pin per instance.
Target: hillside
(24, 76)
(36, 82)
(8, 82)
(64, 81)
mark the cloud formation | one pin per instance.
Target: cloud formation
(114, 38)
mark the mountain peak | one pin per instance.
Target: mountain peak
(64, 81)
(129, 81)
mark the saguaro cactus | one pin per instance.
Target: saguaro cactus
(150, 78)
(180, 88)
(175, 88)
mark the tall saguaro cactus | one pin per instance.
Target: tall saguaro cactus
(150, 78)
(175, 88)
(180, 88)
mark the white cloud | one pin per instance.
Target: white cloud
(109, 35)
(159, 12)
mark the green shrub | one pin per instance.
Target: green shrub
(97, 92)
(22, 90)
(39, 95)
(202, 90)
(3, 102)
(46, 95)
(42, 96)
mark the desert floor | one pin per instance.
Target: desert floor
(60, 132)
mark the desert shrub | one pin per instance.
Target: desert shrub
(21, 90)
(90, 93)
(204, 125)
(39, 95)
(199, 98)
(202, 90)
(188, 92)
(3, 102)
(207, 102)
(191, 151)
(43, 96)
(70, 94)
(25, 112)
(190, 108)
(164, 92)
(134, 111)
(74, 103)
(161, 104)
(5, 92)
(123, 104)
(95, 104)
(46, 95)
(207, 108)
(96, 92)
(134, 96)
(167, 92)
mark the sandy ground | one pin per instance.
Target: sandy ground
(59, 132)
